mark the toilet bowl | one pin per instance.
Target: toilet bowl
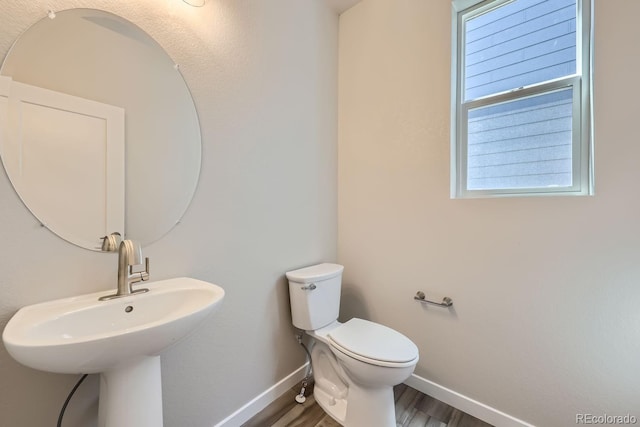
(356, 363)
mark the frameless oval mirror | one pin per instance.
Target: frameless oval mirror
(98, 130)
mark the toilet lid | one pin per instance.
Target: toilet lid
(373, 341)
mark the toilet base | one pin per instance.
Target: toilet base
(363, 407)
(336, 408)
(370, 407)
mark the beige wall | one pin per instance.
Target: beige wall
(264, 80)
(546, 318)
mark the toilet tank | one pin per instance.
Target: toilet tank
(314, 294)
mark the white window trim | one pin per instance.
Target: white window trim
(583, 165)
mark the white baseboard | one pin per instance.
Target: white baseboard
(261, 401)
(464, 403)
(450, 397)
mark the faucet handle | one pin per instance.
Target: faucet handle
(146, 268)
(140, 276)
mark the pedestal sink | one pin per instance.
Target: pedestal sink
(120, 338)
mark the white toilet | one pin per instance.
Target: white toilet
(356, 363)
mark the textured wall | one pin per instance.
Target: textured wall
(546, 321)
(264, 80)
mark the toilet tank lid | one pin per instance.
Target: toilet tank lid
(315, 273)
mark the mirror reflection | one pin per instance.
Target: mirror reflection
(99, 130)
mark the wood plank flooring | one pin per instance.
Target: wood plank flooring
(413, 409)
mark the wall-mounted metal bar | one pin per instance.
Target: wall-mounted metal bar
(446, 301)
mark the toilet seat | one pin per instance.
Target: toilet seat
(373, 343)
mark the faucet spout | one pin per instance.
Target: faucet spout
(129, 255)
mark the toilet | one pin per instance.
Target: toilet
(356, 363)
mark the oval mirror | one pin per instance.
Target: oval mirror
(98, 130)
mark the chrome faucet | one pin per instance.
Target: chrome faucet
(129, 255)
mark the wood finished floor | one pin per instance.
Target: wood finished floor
(413, 409)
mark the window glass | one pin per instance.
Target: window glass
(518, 44)
(522, 143)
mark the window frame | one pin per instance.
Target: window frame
(580, 82)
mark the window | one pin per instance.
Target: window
(522, 98)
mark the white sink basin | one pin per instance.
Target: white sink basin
(84, 335)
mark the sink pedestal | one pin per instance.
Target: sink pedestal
(131, 395)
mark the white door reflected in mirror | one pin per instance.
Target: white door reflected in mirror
(60, 151)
